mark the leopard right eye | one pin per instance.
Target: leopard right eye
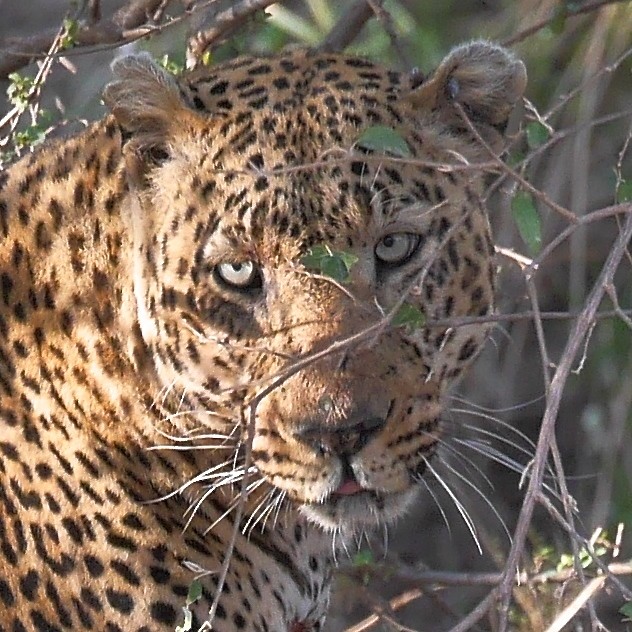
(240, 275)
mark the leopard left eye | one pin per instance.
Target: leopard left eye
(396, 248)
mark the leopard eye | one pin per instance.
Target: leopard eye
(396, 248)
(241, 275)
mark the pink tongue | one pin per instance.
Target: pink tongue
(348, 488)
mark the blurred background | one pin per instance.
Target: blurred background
(572, 145)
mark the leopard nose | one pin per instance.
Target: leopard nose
(343, 440)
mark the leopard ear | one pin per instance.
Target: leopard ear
(146, 101)
(486, 80)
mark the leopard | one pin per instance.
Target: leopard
(189, 395)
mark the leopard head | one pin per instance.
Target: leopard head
(235, 175)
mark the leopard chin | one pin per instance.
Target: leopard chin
(365, 510)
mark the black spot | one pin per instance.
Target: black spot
(6, 595)
(29, 585)
(41, 624)
(162, 612)
(119, 600)
(281, 83)
(90, 599)
(94, 566)
(261, 69)
(358, 168)
(159, 575)
(467, 350)
(125, 572)
(239, 621)
(218, 88)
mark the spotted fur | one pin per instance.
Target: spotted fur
(129, 363)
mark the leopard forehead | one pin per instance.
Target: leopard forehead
(271, 156)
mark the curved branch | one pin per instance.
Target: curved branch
(16, 52)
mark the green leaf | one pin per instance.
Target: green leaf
(335, 268)
(195, 591)
(385, 140)
(171, 66)
(348, 258)
(363, 558)
(624, 192)
(328, 262)
(537, 134)
(559, 20)
(71, 27)
(207, 57)
(527, 220)
(626, 611)
(409, 316)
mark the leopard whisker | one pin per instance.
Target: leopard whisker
(496, 420)
(437, 503)
(164, 391)
(527, 452)
(480, 494)
(485, 449)
(193, 508)
(192, 437)
(468, 463)
(507, 409)
(196, 479)
(185, 448)
(467, 519)
(233, 505)
(258, 512)
(279, 503)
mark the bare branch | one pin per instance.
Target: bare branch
(581, 327)
(348, 27)
(16, 52)
(223, 25)
(571, 12)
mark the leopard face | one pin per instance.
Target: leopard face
(253, 165)
(170, 354)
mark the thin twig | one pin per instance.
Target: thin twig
(223, 24)
(347, 27)
(18, 52)
(582, 325)
(570, 13)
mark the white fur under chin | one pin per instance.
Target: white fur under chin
(351, 515)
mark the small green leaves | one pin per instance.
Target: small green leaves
(171, 66)
(624, 191)
(69, 35)
(558, 22)
(409, 316)
(384, 140)
(330, 263)
(626, 611)
(195, 592)
(537, 134)
(364, 557)
(19, 90)
(363, 561)
(207, 57)
(527, 220)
